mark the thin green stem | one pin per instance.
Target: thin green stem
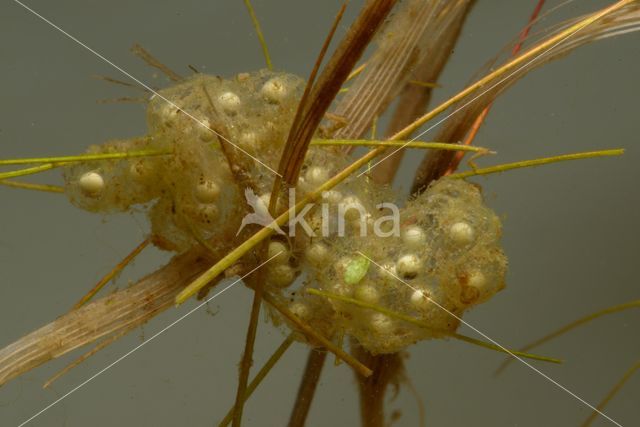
(29, 171)
(87, 157)
(258, 28)
(29, 186)
(412, 144)
(563, 330)
(537, 162)
(423, 325)
(112, 274)
(321, 142)
(614, 390)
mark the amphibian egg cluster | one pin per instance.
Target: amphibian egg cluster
(438, 255)
(445, 258)
(192, 192)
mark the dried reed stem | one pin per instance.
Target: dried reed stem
(121, 310)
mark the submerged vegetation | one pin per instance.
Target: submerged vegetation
(218, 137)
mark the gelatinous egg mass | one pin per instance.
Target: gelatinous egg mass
(209, 145)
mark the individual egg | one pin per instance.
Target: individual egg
(332, 196)
(316, 175)
(206, 133)
(414, 236)
(278, 252)
(262, 206)
(275, 90)
(230, 102)
(351, 208)
(367, 293)
(249, 140)
(281, 275)
(300, 310)
(419, 299)
(461, 233)
(207, 191)
(91, 184)
(168, 114)
(408, 266)
(381, 323)
(207, 213)
(317, 254)
(389, 273)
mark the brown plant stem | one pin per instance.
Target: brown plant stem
(414, 98)
(246, 361)
(247, 355)
(308, 117)
(318, 339)
(143, 54)
(387, 370)
(475, 97)
(329, 83)
(482, 116)
(308, 385)
(611, 394)
(275, 357)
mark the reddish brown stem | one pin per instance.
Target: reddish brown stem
(387, 369)
(307, 389)
(481, 117)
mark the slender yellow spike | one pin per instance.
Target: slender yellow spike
(113, 273)
(28, 171)
(356, 71)
(424, 84)
(579, 322)
(537, 162)
(49, 163)
(374, 127)
(412, 144)
(54, 162)
(374, 131)
(423, 325)
(37, 187)
(86, 157)
(258, 28)
(614, 390)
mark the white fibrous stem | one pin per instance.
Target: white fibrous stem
(118, 311)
